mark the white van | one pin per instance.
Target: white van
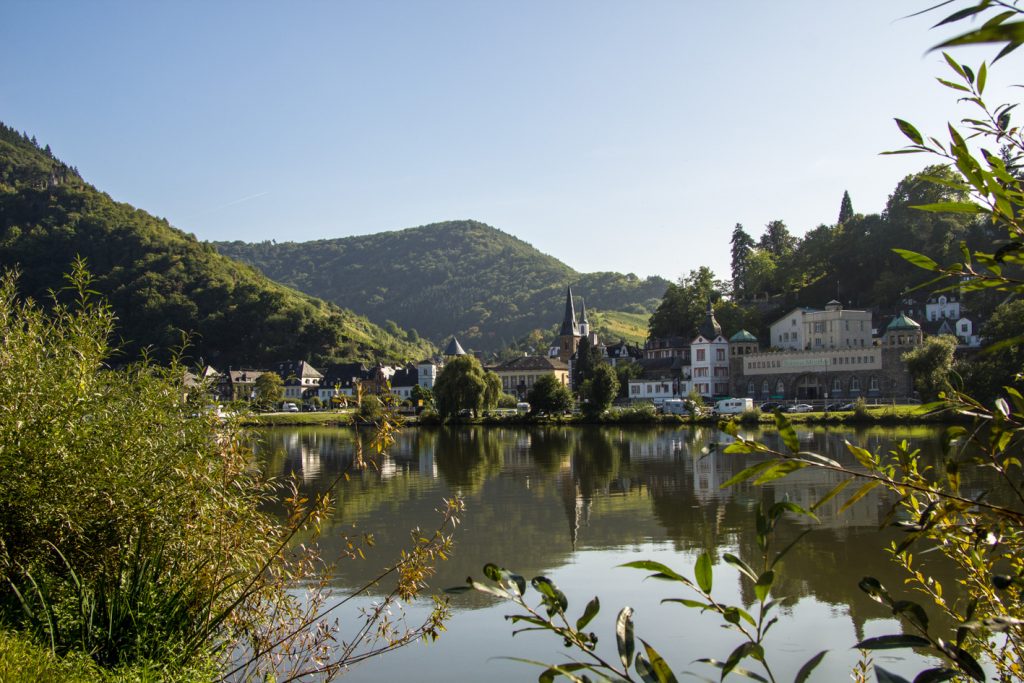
(675, 406)
(522, 407)
(734, 406)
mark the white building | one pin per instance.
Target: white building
(942, 306)
(832, 328)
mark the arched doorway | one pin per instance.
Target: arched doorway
(808, 388)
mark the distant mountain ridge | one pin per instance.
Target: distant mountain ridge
(455, 277)
(161, 281)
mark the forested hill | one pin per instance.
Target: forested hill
(160, 280)
(461, 277)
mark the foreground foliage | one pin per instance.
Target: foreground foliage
(133, 544)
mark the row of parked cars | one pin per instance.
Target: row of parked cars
(771, 407)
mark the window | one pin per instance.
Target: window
(855, 384)
(837, 385)
(873, 384)
(819, 328)
(719, 354)
(634, 389)
(750, 388)
(764, 388)
(700, 355)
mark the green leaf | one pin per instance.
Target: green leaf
(875, 590)
(624, 636)
(967, 663)
(776, 511)
(657, 663)
(809, 666)
(703, 571)
(689, 603)
(919, 260)
(861, 492)
(884, 676)
(948, 207)
(893, 642)
(911, 132)
(748, 472)
(662, 569)
(745, 650)
(780, 469)
(736, 670)
(936, 675)
(740, 565)
(589, 612)
(787, 433)
(484, 588)
(831, 494)
(764, 584)
(982, 77)
(912, 612)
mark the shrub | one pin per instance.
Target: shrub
(131, 522)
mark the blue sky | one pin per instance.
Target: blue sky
(626, 136)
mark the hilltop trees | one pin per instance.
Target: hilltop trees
(684, 305)
(845, 208)
(742, 244)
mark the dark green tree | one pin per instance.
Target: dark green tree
(776, 240)
(492, 390)
(548, 395)
(626, 370)
(931, 364)
(588, 357)
(845, 208)
(742, 244)
(1002, 363)
(269, 389)
(461, 385)
(599, 390)
(684, 305)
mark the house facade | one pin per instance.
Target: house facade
(520, 374)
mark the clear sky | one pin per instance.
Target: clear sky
(627, 136)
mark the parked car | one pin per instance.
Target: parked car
(847, 406)
(801, 408)
(770, 406)
(290, 408)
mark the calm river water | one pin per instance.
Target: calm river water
(573, 504)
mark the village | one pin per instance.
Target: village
(821, 358)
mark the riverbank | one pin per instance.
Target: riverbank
(881, 414)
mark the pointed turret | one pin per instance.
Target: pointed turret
(584, 326)
(454, 348)
(710, 328)
(569, 326)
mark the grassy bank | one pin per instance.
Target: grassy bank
(326, 418)
(881, 414)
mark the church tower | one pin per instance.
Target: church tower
(569, 335)
(584, 323)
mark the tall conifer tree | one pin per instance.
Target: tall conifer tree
(742, 244)
(845, 208)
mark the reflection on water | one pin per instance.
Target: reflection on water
(575, 503)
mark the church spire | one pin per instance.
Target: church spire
(584, 323)
(569, 326)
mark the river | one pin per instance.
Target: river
(574, 503)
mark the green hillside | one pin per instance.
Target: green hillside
(461, 277)
(160, 280)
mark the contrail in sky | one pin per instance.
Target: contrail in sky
(224, 206)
